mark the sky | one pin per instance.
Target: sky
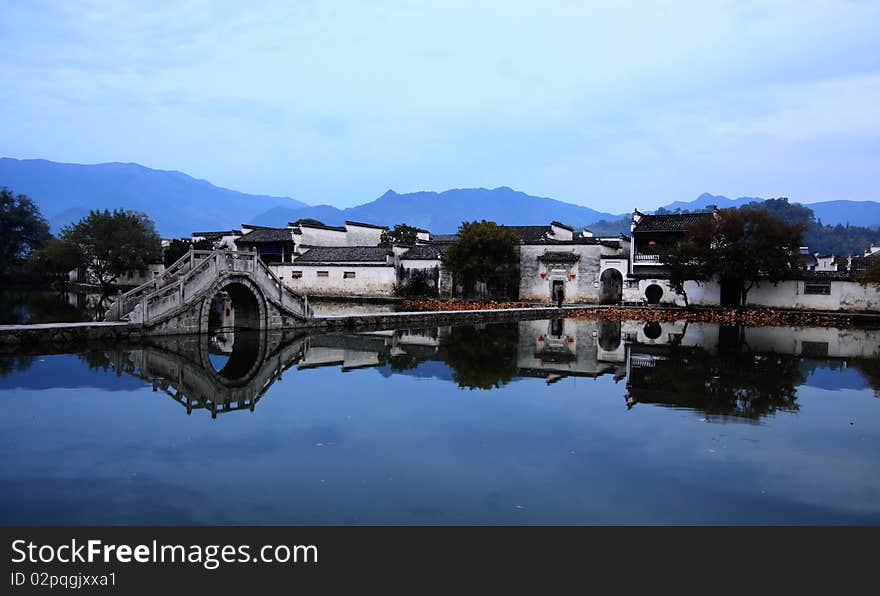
(611, 105)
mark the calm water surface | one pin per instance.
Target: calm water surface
(561, 421)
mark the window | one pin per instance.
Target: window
(817, 287)
(348, 275)
(296, 274)
(323, 274)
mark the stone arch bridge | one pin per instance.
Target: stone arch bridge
(179, 300)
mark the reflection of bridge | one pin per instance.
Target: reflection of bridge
(180, 366)
(179, 300)
(694, 365)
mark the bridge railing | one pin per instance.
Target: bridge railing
(195, 273)
(127, 301)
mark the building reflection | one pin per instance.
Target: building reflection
(736, 372)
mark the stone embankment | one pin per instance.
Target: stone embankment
(13, 338)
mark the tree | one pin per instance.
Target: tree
(416, 285)
(683, 261)
(750, 245)
(23, 230)
(741, 247)
(308, 221)
(484, 251)
(871, 272)
(180, 246)
(401, 234)
(112, 243)
(55, 259)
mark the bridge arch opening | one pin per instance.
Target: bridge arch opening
(232, 320)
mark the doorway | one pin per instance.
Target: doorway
(557, 291)
(610, 287)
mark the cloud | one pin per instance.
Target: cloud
(635, 102)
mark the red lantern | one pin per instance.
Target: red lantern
(572, 275)
(652, 243)
(543, 274)
(571, 340)
(541, 338)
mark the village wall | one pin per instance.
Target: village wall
(845, 295)
(368, 280)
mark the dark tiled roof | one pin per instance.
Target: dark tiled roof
(364, 225)
(424, 252)
(317, 227)
(674, 222)
(444, 237)
(530, 234)
(345, 254)
(578, 240)
(217, 235)
(266, 235)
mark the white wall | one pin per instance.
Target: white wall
(368, 280)
(362, 236)
(845, 295)
(703, 294)
(321, 237)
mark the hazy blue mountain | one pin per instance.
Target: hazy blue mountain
(443, 212)
(860, 213)
(857, 213)
(179, 204)
(706, 199)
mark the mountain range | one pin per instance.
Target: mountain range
(443, 212)
(181, 204)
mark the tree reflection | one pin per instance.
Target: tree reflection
(14, 364)
(870, 369)
(481, 358)
(731, 382)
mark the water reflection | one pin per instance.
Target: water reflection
(728, 372)
(23, 306)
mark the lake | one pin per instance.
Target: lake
(537, 422)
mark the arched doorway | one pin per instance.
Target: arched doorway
(653, 293)
(610, 287)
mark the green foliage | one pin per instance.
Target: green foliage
(23, 230)
(416, 285)
(484, 251)
(55, 259)
(112, 243)
(401, 234)
(180, 246)
(609, 228)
